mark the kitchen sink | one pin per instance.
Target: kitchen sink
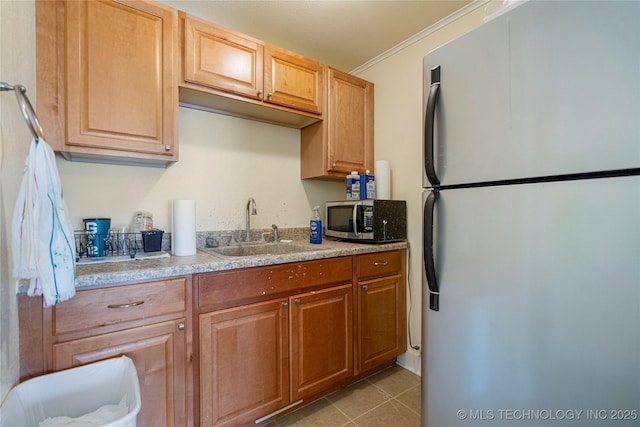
(255, 249)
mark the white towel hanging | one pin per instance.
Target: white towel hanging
(42, 235)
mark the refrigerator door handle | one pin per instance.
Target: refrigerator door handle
(429, 265)
(429, 126)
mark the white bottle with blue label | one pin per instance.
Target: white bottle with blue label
(315, 224)
(367, 186)
(353, 186)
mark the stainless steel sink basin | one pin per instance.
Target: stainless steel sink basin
(246, 250)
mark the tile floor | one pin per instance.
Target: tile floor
(388, 398)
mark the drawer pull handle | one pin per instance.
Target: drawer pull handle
(127, 305)
(380, 263)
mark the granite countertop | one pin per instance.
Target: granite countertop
(96, 275)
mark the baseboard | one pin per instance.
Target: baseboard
(411, 361)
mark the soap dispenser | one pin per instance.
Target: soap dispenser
(315, 227)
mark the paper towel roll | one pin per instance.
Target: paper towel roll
(383, 180)
(183, 228)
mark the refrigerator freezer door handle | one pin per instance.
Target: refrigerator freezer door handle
(429, 126)
(430, 270)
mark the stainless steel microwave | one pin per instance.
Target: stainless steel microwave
(372, 221)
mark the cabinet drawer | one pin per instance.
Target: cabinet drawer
(228, 288)
(379, 264)
(102, 307)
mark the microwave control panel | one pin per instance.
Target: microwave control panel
(367, 219)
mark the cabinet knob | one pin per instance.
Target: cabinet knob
(167, 148)
(181, 326)
(285, 304)
(269, 95)
(297, 301)
(365, 287)
(260, 92)
(333, 165)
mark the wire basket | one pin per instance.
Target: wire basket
(92, 245)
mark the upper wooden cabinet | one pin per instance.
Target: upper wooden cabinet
(343, 141)
(108, 79)
(292, 80)
(220, 59)
(235, 74)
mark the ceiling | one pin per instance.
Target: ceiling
(343, 34)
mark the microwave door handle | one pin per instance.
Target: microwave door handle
(355, 219)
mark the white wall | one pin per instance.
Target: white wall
(223, 161)
(398, 138)
(17, 65)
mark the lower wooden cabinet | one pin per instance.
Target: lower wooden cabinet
(275, 337)
(258, 358)
(244, 363)
(380, 309)
(158, 353)
(265, 339)
(148, 322)
(321, 340)
(381, 333)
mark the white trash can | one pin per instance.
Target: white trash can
(105, 394)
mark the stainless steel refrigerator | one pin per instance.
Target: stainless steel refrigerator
(531, 257)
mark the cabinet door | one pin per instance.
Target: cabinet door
(381, 332)
(121, 78)
(244, 363)
(350, 123)
(221, 59)
(321, 340)
(159, 354)
(292, 81)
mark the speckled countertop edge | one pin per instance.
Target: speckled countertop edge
(202, 262)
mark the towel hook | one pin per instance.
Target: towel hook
(27, 110)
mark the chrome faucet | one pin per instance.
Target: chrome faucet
(250, 204)
(275, 233)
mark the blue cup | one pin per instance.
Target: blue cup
(97, 230)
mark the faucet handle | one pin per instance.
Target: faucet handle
(262, 239)
(232, 239)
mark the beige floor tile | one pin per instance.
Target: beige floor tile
(395, 380)
(389, 414)
(320, 413)
(358, 398)
(412, 399)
